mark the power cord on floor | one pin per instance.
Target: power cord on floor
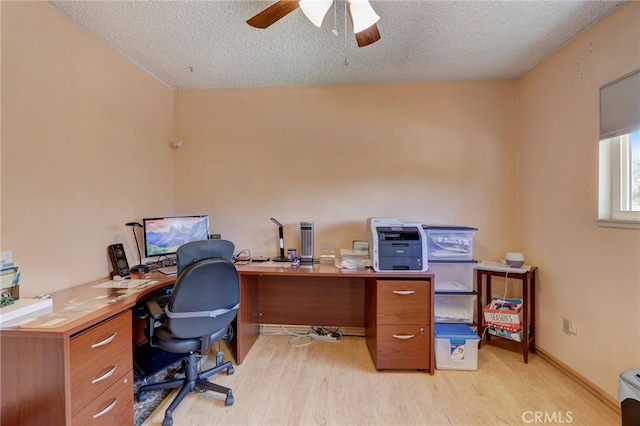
(316, 333)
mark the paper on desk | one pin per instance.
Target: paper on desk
(121, 284)
(271, 264)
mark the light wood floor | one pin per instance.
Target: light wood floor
(336, 384)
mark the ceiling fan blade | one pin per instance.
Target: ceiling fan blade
(273, 13)
(368, 36)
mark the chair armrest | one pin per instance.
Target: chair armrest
(154, 310)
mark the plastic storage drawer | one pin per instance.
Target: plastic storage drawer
(450, 243)
(453, 276)
(456, 308)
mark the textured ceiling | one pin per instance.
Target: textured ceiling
(207, 44)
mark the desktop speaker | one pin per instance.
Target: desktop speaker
(118, 260)
(306, 241)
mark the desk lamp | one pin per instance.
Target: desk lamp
(140, 267)
(281, 258)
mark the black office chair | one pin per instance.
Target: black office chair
(204, 302)
(197, 250)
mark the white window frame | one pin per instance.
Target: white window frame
(619, 117)
(615, 166)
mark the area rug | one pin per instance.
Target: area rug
(142, 410)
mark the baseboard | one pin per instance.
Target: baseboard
(586, 384)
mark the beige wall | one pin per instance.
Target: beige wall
(85, 149)
(432, 153)
(587, 273)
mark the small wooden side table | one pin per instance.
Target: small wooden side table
(527, 276)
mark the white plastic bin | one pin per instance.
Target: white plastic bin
(629, 396)
(453, 276)
(454, 307)
(449, 242)
(456, 347)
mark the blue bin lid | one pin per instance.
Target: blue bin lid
(455, 331)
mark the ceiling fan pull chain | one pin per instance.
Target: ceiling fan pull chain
(335, 19)
(345, 62)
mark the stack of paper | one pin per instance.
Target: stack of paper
(352, 259)
(24, 309)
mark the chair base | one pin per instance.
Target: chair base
(191, 381)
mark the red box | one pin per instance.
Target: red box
(503, 313)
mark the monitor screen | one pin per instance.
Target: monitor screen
(163, 235)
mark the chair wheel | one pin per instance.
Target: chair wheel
(167, 421)
(142, 396)
(230, 371)
(228, 401)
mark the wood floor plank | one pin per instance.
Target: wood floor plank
(329, 383)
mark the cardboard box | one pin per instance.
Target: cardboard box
(506, 334)
(507, 312)
(513, 328)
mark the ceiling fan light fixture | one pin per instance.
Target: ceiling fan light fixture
(315, 10)
(362, 15)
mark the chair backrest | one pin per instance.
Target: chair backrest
(209, 285)
(197, 250)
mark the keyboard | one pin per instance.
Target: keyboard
(169, 270)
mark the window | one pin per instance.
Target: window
(619, 188)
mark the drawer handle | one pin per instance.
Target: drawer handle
(404, 336)
(105, 375)
(404, 292)
(106, 410)
(105, 341)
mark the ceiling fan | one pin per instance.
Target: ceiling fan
(363, 17)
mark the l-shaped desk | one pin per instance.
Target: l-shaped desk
(80, 370)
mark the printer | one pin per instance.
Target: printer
(397, 246)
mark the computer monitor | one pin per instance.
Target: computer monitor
(163, 235)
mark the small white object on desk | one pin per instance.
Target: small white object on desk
(23, 309)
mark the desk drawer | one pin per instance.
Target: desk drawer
(403, 302)
(105, 340)
(98, 377)
(112, 407)
(402, 347)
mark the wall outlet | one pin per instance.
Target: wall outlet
(568, 327)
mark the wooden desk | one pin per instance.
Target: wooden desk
(77, 371)
(392, 307)
(81, 372)
(528, 281)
